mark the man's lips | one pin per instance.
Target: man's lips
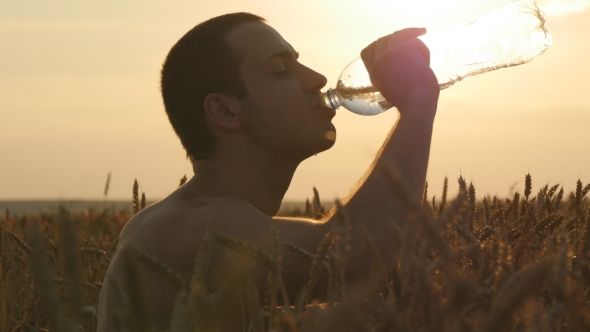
(320, 105)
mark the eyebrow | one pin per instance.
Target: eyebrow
(283, 54)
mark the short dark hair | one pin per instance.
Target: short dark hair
(200, 63)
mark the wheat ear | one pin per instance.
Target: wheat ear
(158, 266)
(135, 197)
(202, 263)
(314, 272)
(443, 201)
(514, 291)
(246, 249)
(182, 181)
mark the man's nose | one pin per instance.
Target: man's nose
(314, 81)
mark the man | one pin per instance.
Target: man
(247, 113)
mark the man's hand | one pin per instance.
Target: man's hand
(399, 67)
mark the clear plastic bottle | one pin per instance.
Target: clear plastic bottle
(508, 36)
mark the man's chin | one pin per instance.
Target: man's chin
(330, 135)
(328, 141)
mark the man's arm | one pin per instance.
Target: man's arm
(399, 67)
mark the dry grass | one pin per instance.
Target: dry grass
(464, 264)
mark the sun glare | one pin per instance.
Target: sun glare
(422, 7)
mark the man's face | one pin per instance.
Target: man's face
(283, 112)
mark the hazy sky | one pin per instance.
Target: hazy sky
(79, 96)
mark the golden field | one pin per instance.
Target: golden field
(465, 263)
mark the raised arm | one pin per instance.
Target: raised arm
(399, 67)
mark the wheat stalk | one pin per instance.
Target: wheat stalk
(138, 318)
(273, 281)
(20, 242)
(486, 210)
(41, 269)
(425, 195)
(299, 251)
(378, 273)
(95, 251)
(72, 267)
(431, 229)
(106, 186)
(87, 285)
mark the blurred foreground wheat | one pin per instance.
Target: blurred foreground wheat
(467, 264)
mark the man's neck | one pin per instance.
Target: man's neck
(260, 181)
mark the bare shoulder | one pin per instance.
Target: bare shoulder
(173, 228)
(171, 231)
(172, 223)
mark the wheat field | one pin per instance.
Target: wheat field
(466, 263)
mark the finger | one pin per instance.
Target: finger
(402, 36)
(368, 56)
(382, 44)
(397, 38)
(422, 49)
(379, 46)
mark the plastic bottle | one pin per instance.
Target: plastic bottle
(508, 36)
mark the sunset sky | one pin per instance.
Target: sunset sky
(79, 96)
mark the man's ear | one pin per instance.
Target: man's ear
(223, 110)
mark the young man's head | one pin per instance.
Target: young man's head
(235, 78)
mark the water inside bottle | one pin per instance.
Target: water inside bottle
(366, 100)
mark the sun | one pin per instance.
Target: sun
(422, 7)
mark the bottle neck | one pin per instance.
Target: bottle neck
(331, 98)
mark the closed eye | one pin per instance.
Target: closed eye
(282, 73)
(284, 60)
